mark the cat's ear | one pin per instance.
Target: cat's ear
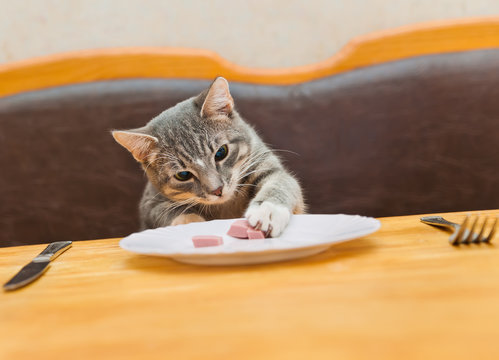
(140, 144)
(218, 100)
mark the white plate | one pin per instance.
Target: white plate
(305, 235)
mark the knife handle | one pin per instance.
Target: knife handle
(53, 250)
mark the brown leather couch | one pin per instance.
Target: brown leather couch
(417, 135)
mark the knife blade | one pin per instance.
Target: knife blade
(37, 266)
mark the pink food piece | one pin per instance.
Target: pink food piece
(255, 234)
(207, 240)
(242, 229)
(239, 229)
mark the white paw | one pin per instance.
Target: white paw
(187, 219)
(268, 216)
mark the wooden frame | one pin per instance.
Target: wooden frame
(149, 62)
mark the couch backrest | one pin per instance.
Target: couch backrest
(412, 136)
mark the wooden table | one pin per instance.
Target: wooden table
(401, 293)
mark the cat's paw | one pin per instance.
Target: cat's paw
(187, 219)
(268, 217)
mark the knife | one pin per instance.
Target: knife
(37, 266)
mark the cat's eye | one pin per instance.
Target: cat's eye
(183, 175)
(221, 153)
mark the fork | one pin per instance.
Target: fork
(461, 234)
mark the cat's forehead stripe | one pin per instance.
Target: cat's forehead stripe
(182, 164)
(185, 153)
(189, 143)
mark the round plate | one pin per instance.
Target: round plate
(304, 236)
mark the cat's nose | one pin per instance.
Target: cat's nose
(218, 191)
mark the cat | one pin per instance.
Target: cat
(204, 162)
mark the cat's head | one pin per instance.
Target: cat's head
(196, 150)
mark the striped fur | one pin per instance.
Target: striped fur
(186, 137)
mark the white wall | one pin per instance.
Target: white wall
(260, 33)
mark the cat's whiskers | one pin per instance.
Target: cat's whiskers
(209, 209)
(287, 151)
(241, 185)
(256, 155)
(240, 191)
(188, 202)
(249, 163)
(173, 206)
(155, 196)
(188, 207)
(177, 204)
(246, 174)
(252, 160)
(204, 209)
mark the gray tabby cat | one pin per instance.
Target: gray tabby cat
(204, 162)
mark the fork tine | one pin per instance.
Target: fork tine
(482, 230)
(492, 232)
(470, 235)
(457, 237)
